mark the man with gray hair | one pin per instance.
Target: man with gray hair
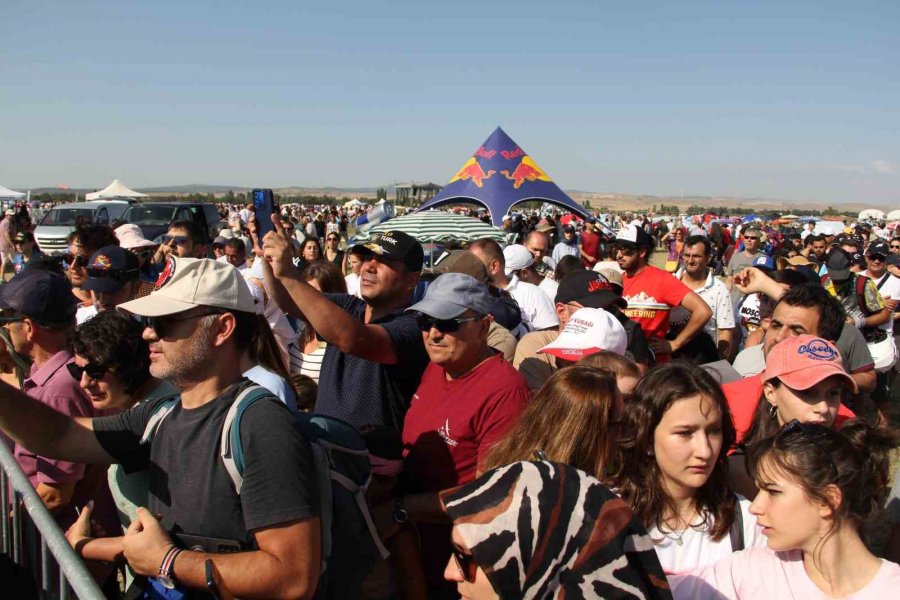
(468, 399)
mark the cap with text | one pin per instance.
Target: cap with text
(633, 236)
(394, 245)
(588, 331)
(802, 361)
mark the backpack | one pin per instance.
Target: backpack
(350, 543)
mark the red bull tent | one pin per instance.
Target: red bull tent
(498, 176)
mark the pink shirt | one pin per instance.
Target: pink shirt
(768, 575)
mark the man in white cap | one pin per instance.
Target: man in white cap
(199, 322)
(588, 331)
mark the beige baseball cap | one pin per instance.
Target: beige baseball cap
(186, 283)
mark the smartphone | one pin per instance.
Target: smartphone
(264, 206)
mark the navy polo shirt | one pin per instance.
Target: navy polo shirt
(362, 392)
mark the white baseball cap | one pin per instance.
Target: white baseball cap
(588, 331)
(517, 257)
(186, 283)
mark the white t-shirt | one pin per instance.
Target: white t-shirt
(353, 285)
(538, 312)
(84, 313)
(769, 575)
(697, 548)
(549, 287)
(274, 383)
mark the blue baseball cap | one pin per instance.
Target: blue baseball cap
(43, 296)
(764, 262)
(452, 294)
(110, 268)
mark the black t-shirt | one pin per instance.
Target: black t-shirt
(189, 485)
(637, 341)
(362, 392)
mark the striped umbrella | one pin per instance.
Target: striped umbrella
(439, 226)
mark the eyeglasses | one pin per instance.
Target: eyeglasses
(162, 326)
(795, 426)
(180, 240)
(443, 325)
(877, 257)
(466, 564)
(95, 372)
(78, 261)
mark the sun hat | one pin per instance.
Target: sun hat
(130, 236)
(186, 283)
(799, 261)
(517, 257)
(802, 361)
(588, 331)
(452, 294)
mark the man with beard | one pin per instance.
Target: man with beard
(199, 323)
(652, 293)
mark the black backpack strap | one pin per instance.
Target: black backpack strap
(736, 532)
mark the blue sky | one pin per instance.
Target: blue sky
(788, 100)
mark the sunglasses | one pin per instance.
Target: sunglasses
(795, 426)
(443, 325)
(895, 247)
(115, 275)
(162, 326)
(626, 251)
(95, 372)
(751, 237)
(71, 260)
(466, 564)
(180, 240)
(877, 257)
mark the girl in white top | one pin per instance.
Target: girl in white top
(672, 470)
(817, 487)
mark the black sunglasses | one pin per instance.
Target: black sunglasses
(162, 326)
(466, 564)
(71, 260)
(95, 372)
(751, 237)
(443, 325)
(625, 250)
(180, 240)
(112, 274)
(877, 257)
(795, 426)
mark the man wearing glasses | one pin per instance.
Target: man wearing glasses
(199, 323)
(888, 285)
(741, 260)
(39, 314)
(185, 239)
(468, 399)
(113, 278)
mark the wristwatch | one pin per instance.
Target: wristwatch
(166, 574)
(400, 514)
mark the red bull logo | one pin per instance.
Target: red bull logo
(472, 170)
(526, 171)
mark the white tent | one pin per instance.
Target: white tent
(872, 214)
(116, 189)
(5, 192)
(894, 215)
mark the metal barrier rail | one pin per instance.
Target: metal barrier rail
(49, 542)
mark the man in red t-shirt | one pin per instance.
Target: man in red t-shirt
(467, 400)
(590, 244)
(652, 293)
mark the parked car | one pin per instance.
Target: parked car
(54, 227)
(154, 217)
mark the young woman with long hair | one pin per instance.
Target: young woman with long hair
(672, 468)
(572, 420)
(818, 487)
(804, 380)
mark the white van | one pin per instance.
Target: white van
(54, 228)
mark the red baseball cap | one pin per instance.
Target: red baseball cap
(803, 361)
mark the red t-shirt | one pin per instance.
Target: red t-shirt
(743, 396)
(651, 295)
(590, 243)
(451, 424)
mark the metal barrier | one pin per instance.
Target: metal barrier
(33, 539)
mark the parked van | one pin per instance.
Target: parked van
(54, 227)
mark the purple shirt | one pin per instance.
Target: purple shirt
(53, 385)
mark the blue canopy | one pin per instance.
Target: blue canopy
(498, 176)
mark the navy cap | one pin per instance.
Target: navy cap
(878, 246)
(838, 262)
(110, 268)
(395, 245)
(42, 296)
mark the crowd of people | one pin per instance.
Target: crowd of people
(556, 417)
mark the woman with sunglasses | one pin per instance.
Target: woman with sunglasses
(332, 251)
(26, 248)
(672, 469)
(804, 380)
(818, 489)
(570, 420)
(547, 530)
